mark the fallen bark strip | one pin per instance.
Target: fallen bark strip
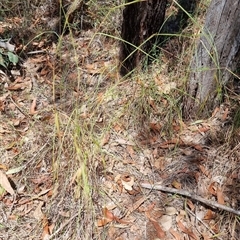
(190, 195)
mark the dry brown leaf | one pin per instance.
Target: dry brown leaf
(17, 86)
(171, 211)
(225, 114)
(107, 218)
(130, 151)
(127, 182)
(118, 127)
(220, 197)
(3, 166)
(20, 84)
(103, 222)
(166, 222)
(212, 189)
(4, 182)
(2, 105)
(204, 170)
(46, 232)
(216, 110)
(190, 205)
(204, 129)
(186, 230)
(176, 184)
(170, 143)
(105, 139)
(160, 232)
(38, 214)
(209, 215)
(32, 110)
(175, 234)
(136, 205)
(198, 147)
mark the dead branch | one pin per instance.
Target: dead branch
(190, 195)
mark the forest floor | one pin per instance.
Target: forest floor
(87, 154)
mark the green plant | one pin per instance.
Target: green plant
(7, 58)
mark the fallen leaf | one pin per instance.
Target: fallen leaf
(4, 182)
(38, 214)
(107, 218)
(190, 205)
(136, 205)
(172, 142)
(130, 151)
(32, 110)
(186, 230)
(105, 139)
(209, 215)
(204, 129)
(18, 86)
(212, 189)
(176, 184)
(160, 232)
(127, 182)
(166, 222)
(171, 211)
(204, 170)
(118, 128)
(46, 232)
(198, 147)
(225, 114)
(220, 197)
(3, 166)
(175, 234)
(216, 110)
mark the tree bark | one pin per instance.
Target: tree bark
(217, 54)
(141, 20)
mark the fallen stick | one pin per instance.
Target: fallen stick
(190, 195)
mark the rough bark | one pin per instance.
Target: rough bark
(141, 20)
(216, 55)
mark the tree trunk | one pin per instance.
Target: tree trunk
(141, 20)
(217, 54)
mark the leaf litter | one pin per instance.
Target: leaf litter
(49, 177)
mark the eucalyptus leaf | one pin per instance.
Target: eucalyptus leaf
(13, 58)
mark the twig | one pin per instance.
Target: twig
(37, 52)
(63, 226)
(190, 195)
